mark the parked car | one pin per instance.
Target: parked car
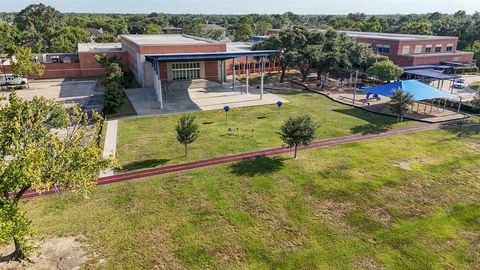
(459, 83)
(11, 79)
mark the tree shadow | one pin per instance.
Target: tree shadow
(143, 164)
(461, 129)
(257, 166)
(371, 128)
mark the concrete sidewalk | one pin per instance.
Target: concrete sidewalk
(110, 146)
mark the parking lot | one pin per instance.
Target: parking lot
(67, 91)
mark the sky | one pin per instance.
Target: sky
(252, 6)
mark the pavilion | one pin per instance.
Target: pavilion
(419, 91)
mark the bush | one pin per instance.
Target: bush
(113, 97)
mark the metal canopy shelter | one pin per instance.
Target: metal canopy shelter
(430, 73)
(419, 91)
(219, 56)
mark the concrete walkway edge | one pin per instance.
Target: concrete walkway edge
(110, 146)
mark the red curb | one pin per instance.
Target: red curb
(237, 157)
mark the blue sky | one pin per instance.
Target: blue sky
(252, 6)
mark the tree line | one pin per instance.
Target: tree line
(45, 29)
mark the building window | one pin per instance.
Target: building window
(383, 48)
(438, 48)
(406, 50)
(418, 49)
(449, 48)
(428, 49)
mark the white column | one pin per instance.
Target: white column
(247, 71)
(233, 74)
(159, 80)
(261, 76)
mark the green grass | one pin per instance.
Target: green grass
(150, 141)
(476, 85)
(403, 202)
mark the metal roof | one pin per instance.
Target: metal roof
(419, 90)
(431, 73)
(208, 56)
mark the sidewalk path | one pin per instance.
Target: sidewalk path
(226, 159)
(109, 149)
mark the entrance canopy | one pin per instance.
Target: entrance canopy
(430, 73)
(419, 90)
(208, 56)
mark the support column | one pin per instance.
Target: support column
(459, 105)
(233, 75)
(247, 71)
(159, 83)
(262, 68)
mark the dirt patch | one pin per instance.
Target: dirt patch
(63, 253)
(366, 264)
(406, 164)
(331, 213)
(475, 145)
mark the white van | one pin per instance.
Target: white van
(11, 79)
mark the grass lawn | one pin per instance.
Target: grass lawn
(404, 202)
(150, 141)
(476, 85)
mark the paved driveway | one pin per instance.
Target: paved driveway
(466, 93)
(66, 91)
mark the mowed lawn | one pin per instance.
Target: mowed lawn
(403, 202)
(150, 141)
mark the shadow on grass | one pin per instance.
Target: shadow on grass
(376, 123)
(144, 164)
(257, 166)
(371, 128)
(462, 129)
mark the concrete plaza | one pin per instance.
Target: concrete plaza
(197, 95)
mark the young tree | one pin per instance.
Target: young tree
(25, 65)
(385, 71)
(399, 102)
(298, 130)
(187, 130)
(35, 155)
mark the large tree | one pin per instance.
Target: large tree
(43, 146)
(385, 71)
(153, 29)
(24, 64)
(399, 102)
(67, 39)
(298, 130)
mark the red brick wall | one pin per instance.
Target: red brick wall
(90, 67)
(432, 59)
(211, 70)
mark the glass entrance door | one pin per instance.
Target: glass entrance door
(186, 71)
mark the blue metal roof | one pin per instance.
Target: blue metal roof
(208, 56)
(258, 38)
(419, 90)
(431, 73)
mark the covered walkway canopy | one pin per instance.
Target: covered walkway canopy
(430, 73)
(218, 56)
(419, 90)
(208, 56)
